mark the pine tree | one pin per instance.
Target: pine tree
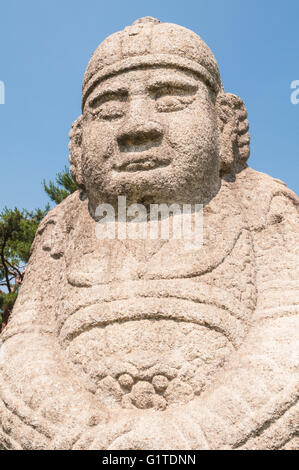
(65, 185)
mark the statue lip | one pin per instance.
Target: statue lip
(137, 162)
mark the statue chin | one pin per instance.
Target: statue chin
(148, 363)
(146, 187)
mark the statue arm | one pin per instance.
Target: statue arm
(255, 401)
(41, 403)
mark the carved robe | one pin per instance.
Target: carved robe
(143, 344)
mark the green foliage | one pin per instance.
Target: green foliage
(8, 300)
(63, 186)
(17, 230)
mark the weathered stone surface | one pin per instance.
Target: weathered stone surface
(146, 343)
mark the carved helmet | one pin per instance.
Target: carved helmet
(148, 43)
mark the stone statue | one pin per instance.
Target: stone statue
(145, 343)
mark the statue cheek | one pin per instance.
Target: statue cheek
(97, 139)
(187, 132)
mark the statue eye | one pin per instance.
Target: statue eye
(108, 106)
(169, 103)
(173, 98)
(111, 110)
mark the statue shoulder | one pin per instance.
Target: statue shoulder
(69, 204)
(56, 225)
(266, 200)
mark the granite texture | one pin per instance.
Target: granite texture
(146, 344)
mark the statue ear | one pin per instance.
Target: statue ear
(234, 135)
(75, 147)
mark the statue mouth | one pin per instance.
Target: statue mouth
(139, 162)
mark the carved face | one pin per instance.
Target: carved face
(150, 134)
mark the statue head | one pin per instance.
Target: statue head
(156, 124)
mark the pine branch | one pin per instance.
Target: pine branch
(3, 261)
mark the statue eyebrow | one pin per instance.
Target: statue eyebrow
(108, 93)
(187, 85)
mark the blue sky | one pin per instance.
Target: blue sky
(45, 47)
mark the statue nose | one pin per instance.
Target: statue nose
(140, 136)
(139, 130)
